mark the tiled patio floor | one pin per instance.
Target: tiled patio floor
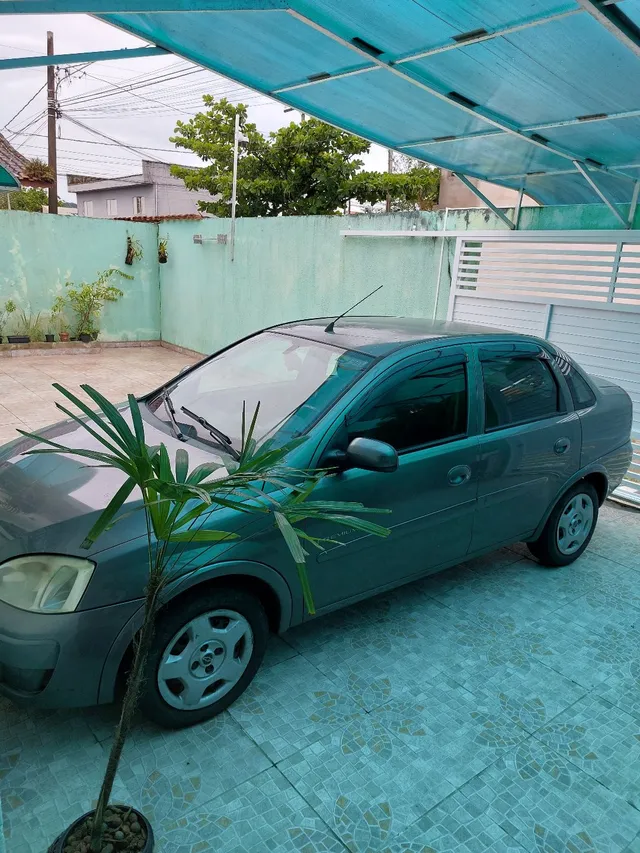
(27, 400)
(494, 707)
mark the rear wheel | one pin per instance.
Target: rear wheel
(206, 652)
(569, 528)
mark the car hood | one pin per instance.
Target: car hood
(48, 502)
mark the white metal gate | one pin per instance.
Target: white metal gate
(580, 290)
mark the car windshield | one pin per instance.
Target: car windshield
(294, 380)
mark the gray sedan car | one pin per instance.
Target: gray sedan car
(474, 438)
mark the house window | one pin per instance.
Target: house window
(112, 207)
(88, 208)
(138, 205)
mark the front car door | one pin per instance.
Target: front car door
(420, 407)
(530, 445)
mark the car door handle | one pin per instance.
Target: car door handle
(459, 475)
(561, 446)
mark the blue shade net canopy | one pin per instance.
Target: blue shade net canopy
(525, 93)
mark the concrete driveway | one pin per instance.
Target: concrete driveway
(493, 707)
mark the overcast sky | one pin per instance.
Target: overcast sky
(153, 93)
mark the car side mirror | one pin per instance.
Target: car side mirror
(367, 454)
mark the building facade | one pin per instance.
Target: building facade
(154, 192)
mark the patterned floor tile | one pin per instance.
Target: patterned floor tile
(278, 650)
(617, 535)
(264, 813)
(290, 706)
(623, 688)
(602, 740)
(371, 664)
(168, 773)
(454, 826)
(601, 645)
(43, 789)
(366, 784)
(455, 733)
(548, 804)
(321, 629)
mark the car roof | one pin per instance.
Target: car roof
(378, 336)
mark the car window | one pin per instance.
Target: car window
(292, 379)
(429, 407)
(581, 392)
(517, 390)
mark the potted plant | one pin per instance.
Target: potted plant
(179, 506)
(134, 250)
(87, 300)
(29, 329)
(5, 312)
(162, 250)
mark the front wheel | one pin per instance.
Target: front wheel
(569, 528)
(206, 652)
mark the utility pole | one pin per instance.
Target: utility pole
(390, 170)
(51, 128)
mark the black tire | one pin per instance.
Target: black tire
(545, 547)
(152, 703)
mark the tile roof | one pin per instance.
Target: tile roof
(166, 218)
(10, 159)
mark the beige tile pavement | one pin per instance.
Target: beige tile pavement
(27, 398)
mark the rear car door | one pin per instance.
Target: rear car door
(530, 446)
(422, 409)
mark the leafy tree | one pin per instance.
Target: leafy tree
(299, 170)
(30, 199)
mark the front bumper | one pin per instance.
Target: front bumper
(56, 660)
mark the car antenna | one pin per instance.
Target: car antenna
(329, 327)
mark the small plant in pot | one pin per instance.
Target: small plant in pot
(182, 507)
(134, 250)
(6, 311)
(162, 250)
(29, 328)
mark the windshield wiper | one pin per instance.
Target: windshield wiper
(220, 437)
(171, 414)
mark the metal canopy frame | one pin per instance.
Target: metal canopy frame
(601, 193)
(486, 201)
(371, 60)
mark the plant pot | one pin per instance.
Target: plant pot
(62, 841)
(0, 339)
(49, 338)
(19, 339)
(64, 336)
(162, 257)
(85, 338)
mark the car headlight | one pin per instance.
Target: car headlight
(45, 583)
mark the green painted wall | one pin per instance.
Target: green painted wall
(292, 267)
(39, 253)
(284, 268)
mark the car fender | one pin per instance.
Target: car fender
(271, 576)
(595, 468)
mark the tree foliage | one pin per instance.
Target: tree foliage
(30, 199)
(299, 170)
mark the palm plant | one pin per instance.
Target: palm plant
(179, 504)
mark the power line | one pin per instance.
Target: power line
(113, 144)
(13, 118)
(110, 138)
